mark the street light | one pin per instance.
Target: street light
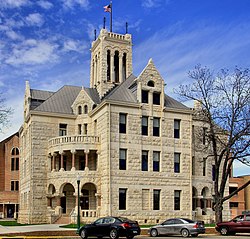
(78, 206)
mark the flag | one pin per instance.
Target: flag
(107, 8)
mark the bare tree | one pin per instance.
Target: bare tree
(5, 113)
(225, 104)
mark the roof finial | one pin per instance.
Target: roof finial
(95, 33)
(126, 27)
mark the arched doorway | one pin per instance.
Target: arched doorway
(194, 198)
(88, 197)
(204, 194)
(68, 200)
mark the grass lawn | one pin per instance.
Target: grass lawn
(11, 223)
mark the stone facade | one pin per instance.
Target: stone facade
(131, 146)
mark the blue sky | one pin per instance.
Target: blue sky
(47, 41)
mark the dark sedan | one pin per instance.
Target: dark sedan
(112, 227)
(240, 223)
(178, 226)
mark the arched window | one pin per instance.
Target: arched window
(151, 83)
(79, 110)
(85, 109)
(108, 66)
(15, 159)
(116, 66)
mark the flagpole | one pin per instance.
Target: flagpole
(111, 13)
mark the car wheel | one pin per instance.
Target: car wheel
(223, 231)
(113, 234)
(185, 232)
(83, 234)
(153, 233)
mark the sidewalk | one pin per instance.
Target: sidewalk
(32, 228)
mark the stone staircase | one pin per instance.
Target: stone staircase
(64, 219)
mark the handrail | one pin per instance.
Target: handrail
(74, 139)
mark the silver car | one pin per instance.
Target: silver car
(180, 226)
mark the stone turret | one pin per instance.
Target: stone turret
(111, 60)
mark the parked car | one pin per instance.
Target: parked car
(180, 226)
(114, 227)
(240, 223)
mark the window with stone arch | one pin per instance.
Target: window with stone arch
(79, 109)
(15, 159)
(151, 83)
(85, 109)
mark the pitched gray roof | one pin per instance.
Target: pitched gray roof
(61, 101)
(40, 94)
(123, 92)
(93, 94)
(172, 103)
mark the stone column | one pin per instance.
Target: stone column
(73, 152)
(54, 162)
(120, 68)
(86, 159)
(61, 154)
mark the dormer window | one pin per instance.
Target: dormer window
(151, 83)
(85, 109)
(79, 110)
(156, 98)
(144, 96)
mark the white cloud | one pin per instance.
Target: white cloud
(35, 19)
(151, 3)
(75, 3)
(32, 53)
(13, 35)
(72, 45)
(45, 4)
(13, 3)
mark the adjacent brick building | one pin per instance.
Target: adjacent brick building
(131, 145)
(9, 177)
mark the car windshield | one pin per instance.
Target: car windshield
(238, 218)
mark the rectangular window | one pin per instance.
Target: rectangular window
(156, 161)
(85, 128)
(17, 185)
(177, 157)
(156, 199)
(122, 159)
(193, 165)
(62, 129)
(12, 164)
(156, 98)
(122, 123)
(213, 172)
(144, 96)
(204, 166)
(79, 129)
(122, 198)
(17, 163)
(177, 128)
(145, 199)
(233, 204)
(156, 127)
(144, 160)
(12, 185)
(177, 199)
(144, 127)
(204, 135)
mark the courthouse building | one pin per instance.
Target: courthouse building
(132, 146)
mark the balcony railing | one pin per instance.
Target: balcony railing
(74, 139)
